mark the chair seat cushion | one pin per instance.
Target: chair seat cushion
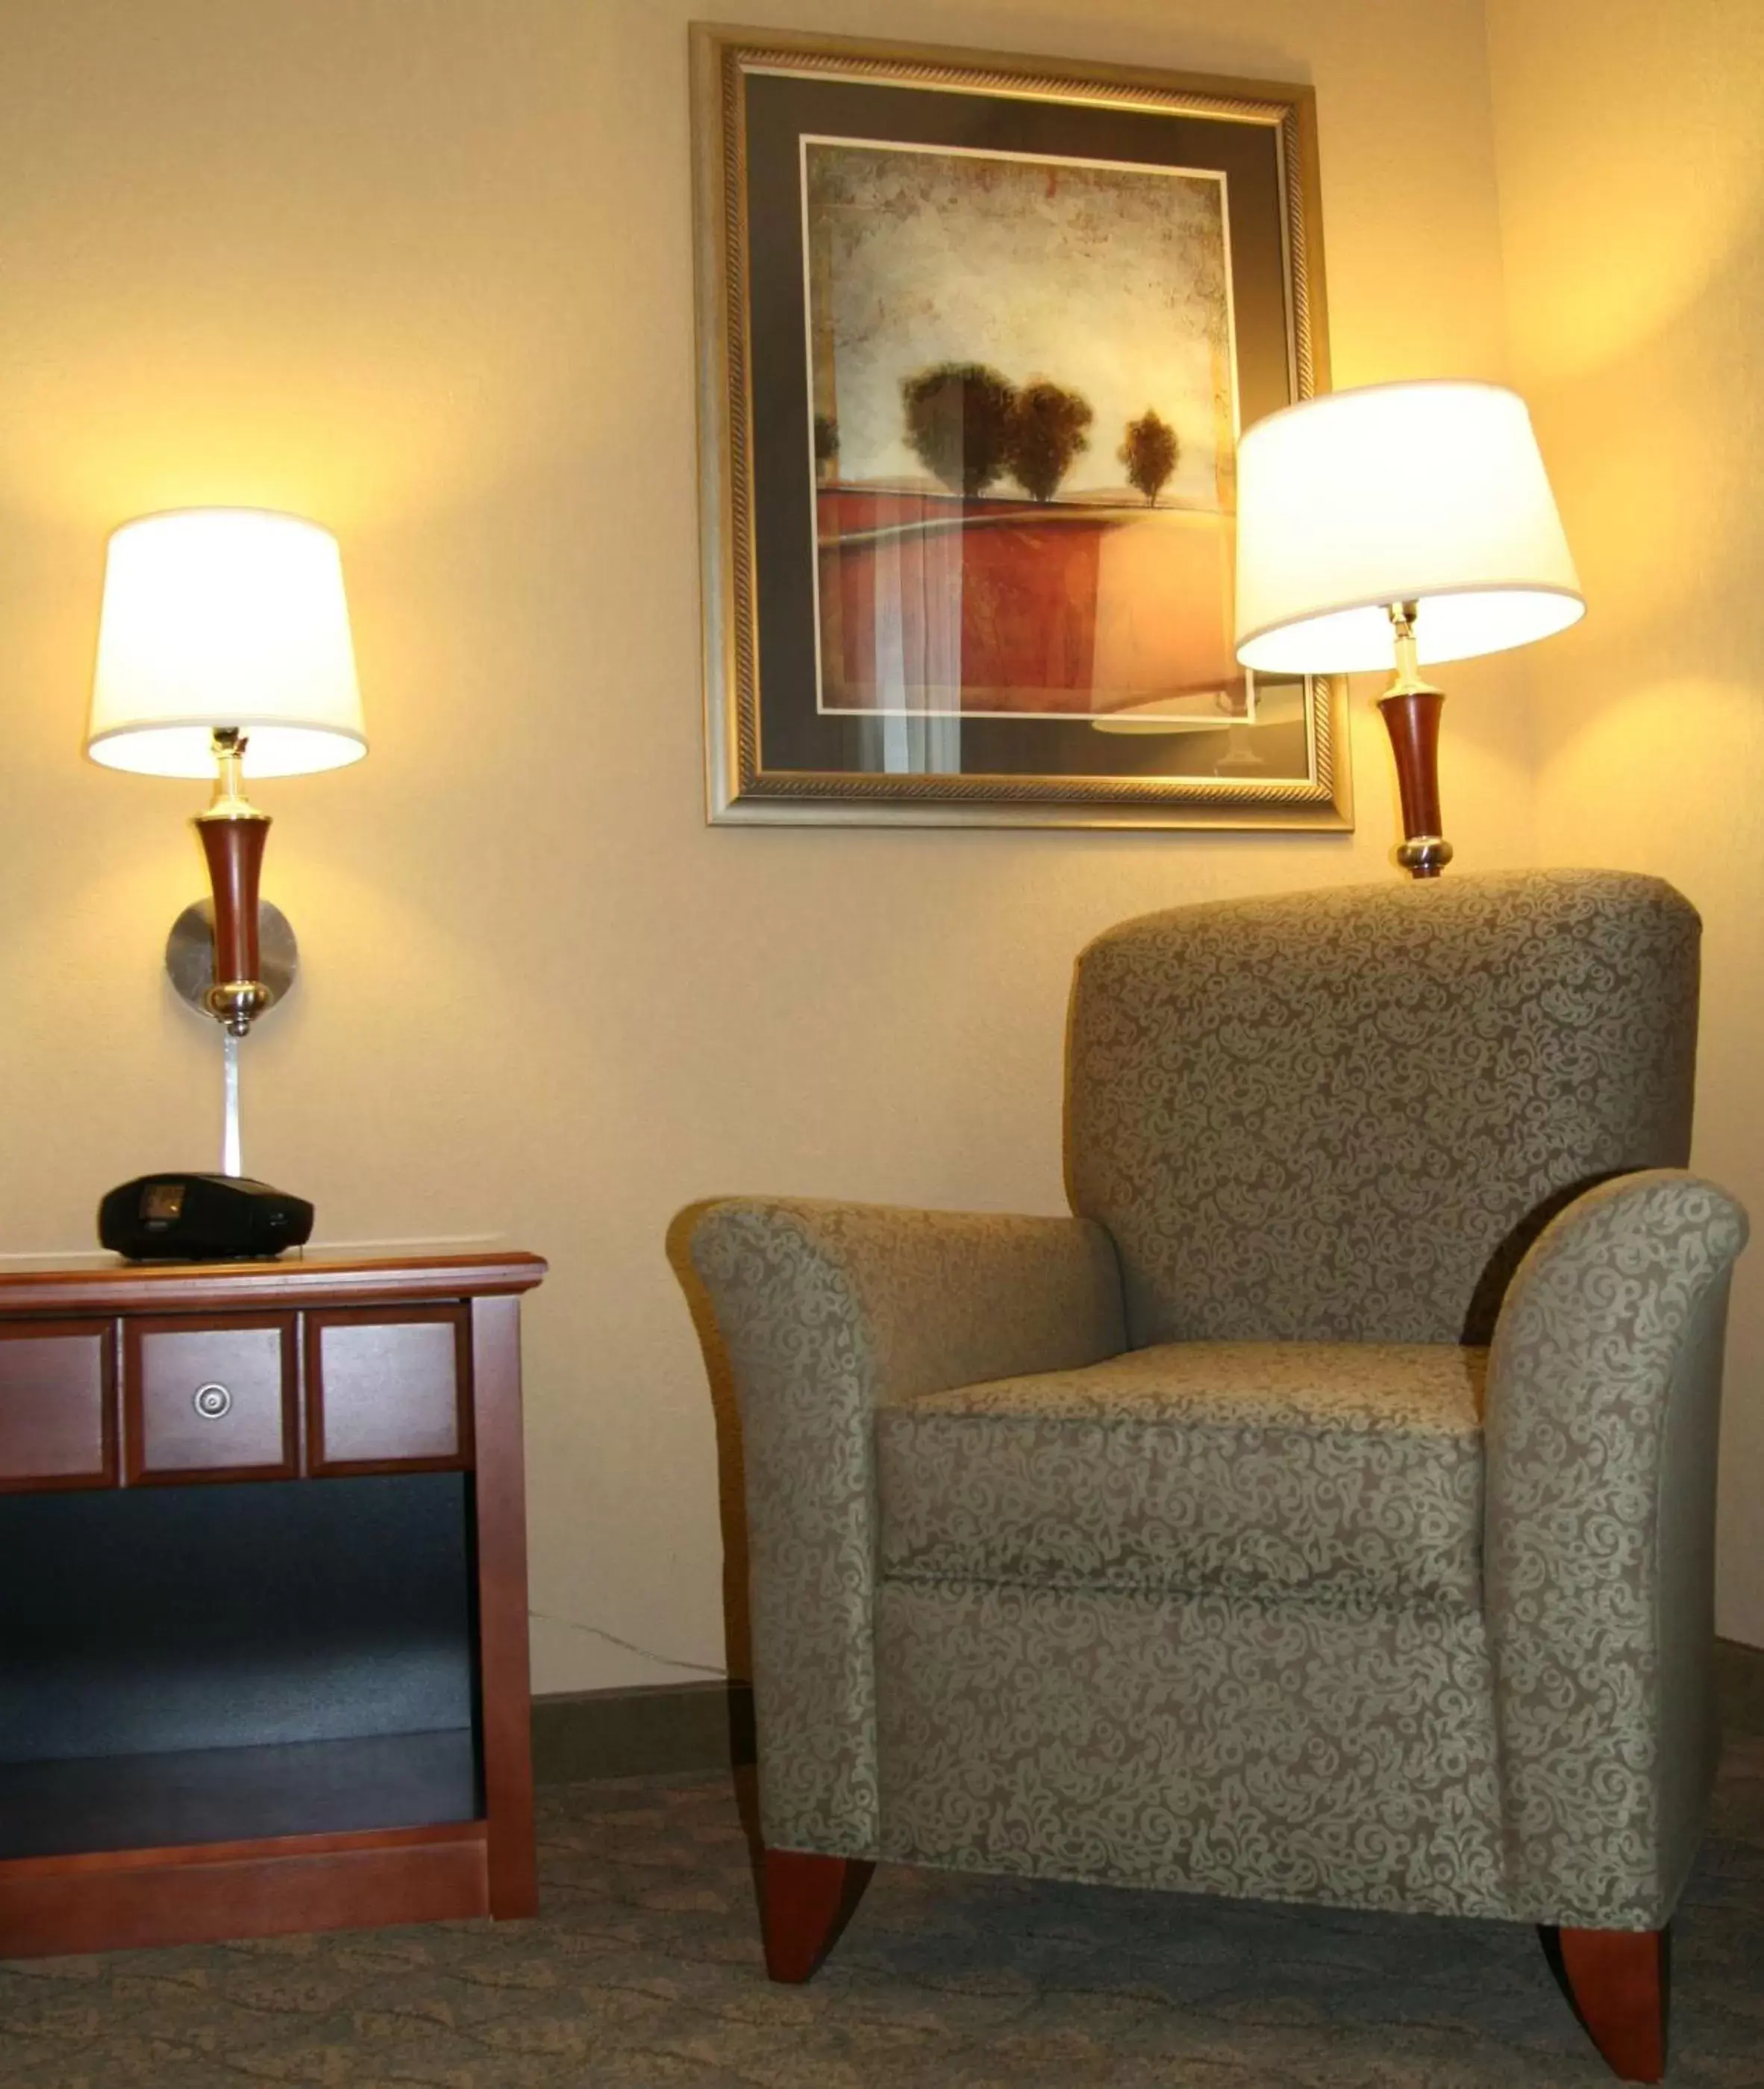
(1345, 1469)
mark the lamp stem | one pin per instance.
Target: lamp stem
(1411, 709)
(227, 746)
(231, 1162)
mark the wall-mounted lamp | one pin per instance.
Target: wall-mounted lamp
(224, 644)
(1416, 517)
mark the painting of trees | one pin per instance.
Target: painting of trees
(1007, 522)
(1150, 453)
(959, 420)
(1046, 433)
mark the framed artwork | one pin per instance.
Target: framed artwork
(977, 337)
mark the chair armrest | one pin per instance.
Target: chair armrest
(823, 1309)
(1604, 1410)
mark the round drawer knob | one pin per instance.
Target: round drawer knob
(212, 1401)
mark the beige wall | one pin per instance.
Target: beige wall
(1632, 183)
(423, 271)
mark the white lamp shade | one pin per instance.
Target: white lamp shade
(225, 616)
(1429, 493)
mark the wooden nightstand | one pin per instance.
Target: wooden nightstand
(263, 1640)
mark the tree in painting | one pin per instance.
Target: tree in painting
(1150, 453)
(959, 421)
(1046, 434)
(826, 447)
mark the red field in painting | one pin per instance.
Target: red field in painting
(929, 602)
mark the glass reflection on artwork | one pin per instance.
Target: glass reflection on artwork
(1022, 435)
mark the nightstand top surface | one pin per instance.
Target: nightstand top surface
(323, 1276)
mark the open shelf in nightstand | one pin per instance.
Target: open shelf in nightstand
(213, 1664)
(213, 1796)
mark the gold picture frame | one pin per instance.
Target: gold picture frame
(821, 162)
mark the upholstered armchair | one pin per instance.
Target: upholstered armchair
(1323, 1512)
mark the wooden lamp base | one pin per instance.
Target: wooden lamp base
(232, 833)
(1412, 718)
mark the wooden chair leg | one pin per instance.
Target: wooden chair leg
(1618, 1981)
(805, 1901)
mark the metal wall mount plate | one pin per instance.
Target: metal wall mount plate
(189, 952)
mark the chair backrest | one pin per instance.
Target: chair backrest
(1346, 1115)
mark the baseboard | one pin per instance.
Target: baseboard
(1740, 1686)
(666, 1727)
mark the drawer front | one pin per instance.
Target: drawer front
(209, 1399)
(57, 1425)
(388, 1390)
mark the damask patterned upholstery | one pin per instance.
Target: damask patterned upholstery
(1166, 1544)
(1344, 1116)
(822, 1308)
(1331, 1752)
(1269, 1467)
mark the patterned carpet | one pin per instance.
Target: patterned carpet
(644, 1969)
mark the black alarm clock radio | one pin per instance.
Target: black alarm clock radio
(201, 1218)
